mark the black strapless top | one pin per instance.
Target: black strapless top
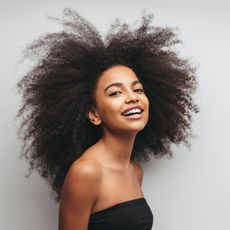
(129, 215)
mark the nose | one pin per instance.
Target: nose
(131, 96)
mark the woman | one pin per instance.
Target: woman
(93, 109)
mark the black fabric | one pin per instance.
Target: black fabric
(129, 215)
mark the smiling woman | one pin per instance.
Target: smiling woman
(120, 98)
(94, 108)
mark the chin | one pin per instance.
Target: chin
(135, 127)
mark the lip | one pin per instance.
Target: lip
(133, 107)
(134, 117)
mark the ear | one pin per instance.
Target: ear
(93, 117)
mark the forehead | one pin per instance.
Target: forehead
(119, 73)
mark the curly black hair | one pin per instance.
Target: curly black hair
(60, 87)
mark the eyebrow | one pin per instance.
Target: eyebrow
(120, 84)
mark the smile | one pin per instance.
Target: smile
(135, 116)
(132, 111)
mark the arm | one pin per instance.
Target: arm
(79, 194)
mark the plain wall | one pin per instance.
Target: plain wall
(192, 190)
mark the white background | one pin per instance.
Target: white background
(190, 191)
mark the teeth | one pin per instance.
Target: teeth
(132, 111)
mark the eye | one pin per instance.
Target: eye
(115, 93)
(139, 90)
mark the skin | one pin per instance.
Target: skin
(104, 175)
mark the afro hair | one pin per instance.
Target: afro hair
(59, 89)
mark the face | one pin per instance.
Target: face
(119, 91)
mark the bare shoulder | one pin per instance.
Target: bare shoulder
(80, 192)
(83, 175)
(138, 170)
(87, 169)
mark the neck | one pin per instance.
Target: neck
(117, 149)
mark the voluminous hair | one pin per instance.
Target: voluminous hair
(59, 89)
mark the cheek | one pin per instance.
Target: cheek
(146, 102)
(109, 108)
(112, 108)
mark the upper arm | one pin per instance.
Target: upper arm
(138, 172)
(79, 193)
